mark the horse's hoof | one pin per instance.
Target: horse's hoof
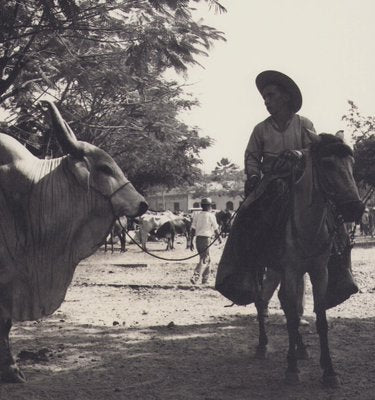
(12, 374)
(331, 381)
(261, 353)
(291, 378)
(302, 353)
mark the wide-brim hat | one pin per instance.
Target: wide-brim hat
(206, 201)
(278, 78)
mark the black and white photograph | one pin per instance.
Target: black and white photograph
(187, 200)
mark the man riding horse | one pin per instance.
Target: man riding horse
(283, 130)
(275, 144)
(300, 191)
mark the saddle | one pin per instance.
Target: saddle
(255, 240)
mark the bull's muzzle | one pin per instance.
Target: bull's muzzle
(143, 207)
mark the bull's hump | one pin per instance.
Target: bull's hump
(12, 150)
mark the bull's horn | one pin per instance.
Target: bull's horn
(64, 134)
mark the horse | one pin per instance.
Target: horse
(326, 187)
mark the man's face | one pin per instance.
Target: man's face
(275, 99)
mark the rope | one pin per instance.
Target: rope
(351, 234)
(184, 258)
(196, 254)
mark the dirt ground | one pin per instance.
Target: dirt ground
(133, 327)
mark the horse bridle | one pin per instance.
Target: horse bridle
(331, 204)
(329, 195)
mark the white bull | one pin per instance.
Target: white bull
(53, 214)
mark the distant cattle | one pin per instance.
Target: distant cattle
(224, 220)
(177, 226)
(118, 230)
(151, 222)
(365, 223)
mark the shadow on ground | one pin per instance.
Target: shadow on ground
(210, 361)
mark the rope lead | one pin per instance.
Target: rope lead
(179, 259)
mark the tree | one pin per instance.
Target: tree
(363, 134)
(226, 178)
(104, 62)
(224, 170)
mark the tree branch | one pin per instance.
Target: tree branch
(18, 89)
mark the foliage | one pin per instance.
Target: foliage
(225, 179)
(363, 133)
(224, 170)
(104, 62)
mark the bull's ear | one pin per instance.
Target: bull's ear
(80, 168)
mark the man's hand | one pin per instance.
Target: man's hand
(251, 183)
(292, 155)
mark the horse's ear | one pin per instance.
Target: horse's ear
(314, 138)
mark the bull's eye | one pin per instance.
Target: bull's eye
(105, 169)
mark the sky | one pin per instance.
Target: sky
(326, 46)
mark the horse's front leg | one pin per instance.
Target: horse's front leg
(269, 285)
(261, 350)
(302, 353)
(319, 281)
(289, 298)
(330, 377)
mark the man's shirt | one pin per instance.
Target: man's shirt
(204, 223)
(267, 141)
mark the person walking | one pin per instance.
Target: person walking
(204, 226)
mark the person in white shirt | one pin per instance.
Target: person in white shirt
(204, 226)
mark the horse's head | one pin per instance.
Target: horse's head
(333, 161)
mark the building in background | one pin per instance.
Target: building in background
(185, 199)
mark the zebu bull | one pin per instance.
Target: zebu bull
(53, 214)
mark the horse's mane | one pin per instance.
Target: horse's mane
(328, 145)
